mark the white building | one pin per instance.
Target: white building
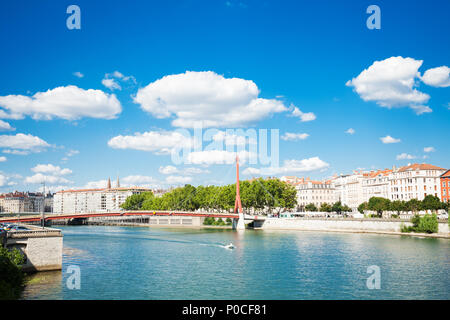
(93, 200)
(415, 181)
(376, 184)
(349, 189)
(315, 192)
(21, 202)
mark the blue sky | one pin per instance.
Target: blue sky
(296, 53)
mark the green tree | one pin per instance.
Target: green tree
(134, 202)
(379, 205)
(413, 205)
(325, 207)
(311, 207)
(11, 276)
(337, 207)
(363, 206)
(431, 202)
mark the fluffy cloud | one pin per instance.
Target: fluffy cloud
(51, 169)
(404, 156)
(178, 180)
(111, 84)
(136, 180)
(437, 77)
(70, 103)
(162, 142)
(389, 139)
(231, 139)
(209, 157)
(294, 136)
(168, 170)
(5, 126)
(3, 159)
(429, 149)
(78, 74)
(304, 116)
(187, 171)
(206, 98)
(350, 131)
(22, 143)
(291, 166)
(390, 83)
(48, 179)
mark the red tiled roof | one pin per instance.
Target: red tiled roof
(446, 174)
(419, 166)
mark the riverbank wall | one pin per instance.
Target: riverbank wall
(381, 226)
(42, 248)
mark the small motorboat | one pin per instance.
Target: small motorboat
(230, 246)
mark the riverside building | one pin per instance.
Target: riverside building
(414, 181)
(93, 200)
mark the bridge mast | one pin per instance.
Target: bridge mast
(238, 223)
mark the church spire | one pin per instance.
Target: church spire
(118, 182)
(109, 183)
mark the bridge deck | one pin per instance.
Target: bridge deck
(49, 216)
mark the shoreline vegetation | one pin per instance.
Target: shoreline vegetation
(12, 278)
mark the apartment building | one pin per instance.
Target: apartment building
(415, 181)
(445, 186)
(376, 184)
(315, 192)
(21, 202)
(93, 200)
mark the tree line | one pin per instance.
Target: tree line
(257, 196)
(379, 205)
(337, 207)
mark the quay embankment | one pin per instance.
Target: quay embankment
(41, 247)
(371, 225)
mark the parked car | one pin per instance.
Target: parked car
(19, 228)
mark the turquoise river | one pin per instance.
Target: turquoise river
(159, 263)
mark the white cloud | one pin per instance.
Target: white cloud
(192, 171)
(429, 149)
(288, 136)
(72, 152)
(231, 139)
(48, 179)
(291, 166)
(390, 83)
(206, 98)
(437, 77)
(3, 180)
(51, 169)
(22, 143)
(178, 180)
(162, 142)
(209, 157)
(168, 170)
(99, 184)
(16, 152)
(137, 180)
(350, 131)
(70, 103)
(389, 139)
(3, 159)
(78, 74)
(304, 116)
(5, 126)
(404, 156)
(111, 84)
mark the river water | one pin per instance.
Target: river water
(157, 263)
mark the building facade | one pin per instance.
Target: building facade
(415, 181)
(21, 202)
(445, 186)
(376, 184)
(315, 192)
(93, 200)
